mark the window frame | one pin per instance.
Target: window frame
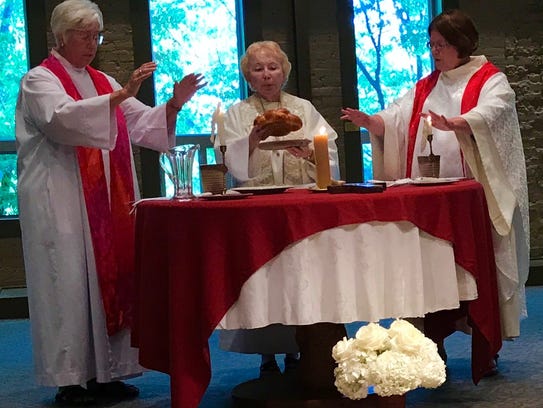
(354, 137)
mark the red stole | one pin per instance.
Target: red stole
(111, 225)
(423, 89)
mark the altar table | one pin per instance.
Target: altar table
(193, 258)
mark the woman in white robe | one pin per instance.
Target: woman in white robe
(476, 132)
(266, 68)
(72, 347)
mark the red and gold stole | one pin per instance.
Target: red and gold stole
(423, 89)
(111, 224)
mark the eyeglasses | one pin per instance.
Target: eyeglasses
(95, 36)
(437, 46)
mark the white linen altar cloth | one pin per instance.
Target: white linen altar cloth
(360, 272)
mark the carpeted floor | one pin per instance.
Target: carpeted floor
(519, 383)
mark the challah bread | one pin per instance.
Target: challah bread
(280, 121)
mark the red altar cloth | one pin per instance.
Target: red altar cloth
(194, 256)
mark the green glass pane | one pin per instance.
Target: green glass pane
(14, 62)
(8, 185)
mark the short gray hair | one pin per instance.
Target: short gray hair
(274, 49)
(74, 14)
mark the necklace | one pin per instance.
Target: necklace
(262, 103)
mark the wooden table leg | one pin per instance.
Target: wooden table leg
(316, 369)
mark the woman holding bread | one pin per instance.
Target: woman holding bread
(270, 114)
(266, 68)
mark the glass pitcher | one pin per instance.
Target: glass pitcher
(177, 163)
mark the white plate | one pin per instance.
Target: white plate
(315, 189)
(431, 181)
(262, 189)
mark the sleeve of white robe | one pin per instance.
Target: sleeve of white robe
(81, 123)
(495, 153)
(63, 120)
(389, 151)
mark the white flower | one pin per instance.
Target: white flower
(393, 361)
(405, 337)
(372, 337)
(343, 349)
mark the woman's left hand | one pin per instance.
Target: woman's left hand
(185, 89)
(300, 152)
(456, 124)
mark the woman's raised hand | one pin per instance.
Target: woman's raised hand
(185, 89)
(138, 76)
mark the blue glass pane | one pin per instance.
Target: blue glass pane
(367, 162)
(196, 36)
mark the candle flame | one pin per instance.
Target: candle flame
(429, 120)
(322, 130)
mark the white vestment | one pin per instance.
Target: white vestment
(70, 340)
(267, 167)
(493, 154)
(274, 167)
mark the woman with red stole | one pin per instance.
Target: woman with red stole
(476, 132)
(74, 129)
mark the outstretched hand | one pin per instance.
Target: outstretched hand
(138, 76)
(185, 89)
(374, 123)
(359, 118)
(455, 124)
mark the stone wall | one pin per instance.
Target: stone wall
(511, 36)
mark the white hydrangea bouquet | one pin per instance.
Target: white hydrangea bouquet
(393, 361)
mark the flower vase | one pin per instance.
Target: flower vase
(393, 401)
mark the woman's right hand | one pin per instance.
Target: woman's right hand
(374, 123)
(359, 118)
(258, 133)
(138, 76)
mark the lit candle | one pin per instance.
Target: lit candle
(217, 126)
(322, 160)
(426, 132)
(427, 127)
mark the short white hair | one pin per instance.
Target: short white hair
(74, 14)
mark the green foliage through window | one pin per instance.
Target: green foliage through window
(196, 36)
(14, 65)
(8, 185)
(391, 53)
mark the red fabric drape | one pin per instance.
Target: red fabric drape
(194, 257)
(111, 225)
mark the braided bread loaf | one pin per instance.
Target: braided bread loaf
(280, 121)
